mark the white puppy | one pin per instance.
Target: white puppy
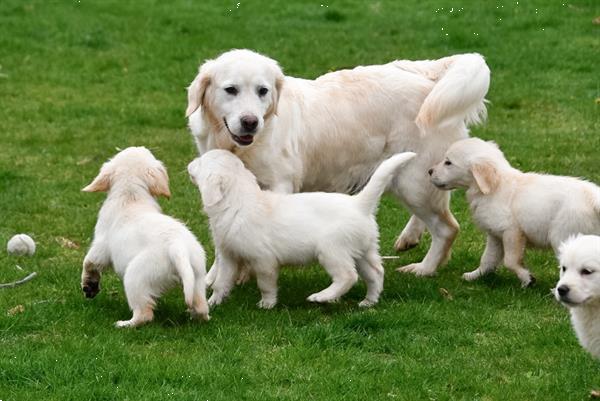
(149, 251)
(579, 288)
(516, 208)
(329, 134)
(264, 230)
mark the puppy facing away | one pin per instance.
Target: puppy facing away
(264, 230)
(516, 208)
(579, 288)
(149, 250)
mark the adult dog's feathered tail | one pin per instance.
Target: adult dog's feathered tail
(458, 95)
(368, 198)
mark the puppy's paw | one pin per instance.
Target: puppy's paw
(121, 324)
(404, 243)
(320, 298)
(215, 299)
(417, 269)
(472, 275)
(90, 288)
(267, 303)
(367, 303)
(528, 281)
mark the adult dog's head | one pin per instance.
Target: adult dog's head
(470, 163)
(237, 92)
(133, 167)
(579, 282)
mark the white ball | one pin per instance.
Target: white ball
(21, 244)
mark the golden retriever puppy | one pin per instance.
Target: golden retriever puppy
(329, 134)
(149, 250)
(264, 230)
(516, 208)
(579, 288)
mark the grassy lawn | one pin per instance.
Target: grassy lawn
(80, 78)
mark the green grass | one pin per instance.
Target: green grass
(80, 78)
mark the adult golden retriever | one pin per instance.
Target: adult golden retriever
(329, 134)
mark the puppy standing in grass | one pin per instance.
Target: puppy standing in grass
(516, 208)
(148, 250)
(264, 230)
(579, 288)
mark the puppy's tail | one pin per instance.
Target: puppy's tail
(192, 279)
(368, 198)
(458, 95)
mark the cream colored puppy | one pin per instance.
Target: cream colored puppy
(516, 208)
(329, 134)
(149, 251)
(579, 288)
(264, 230)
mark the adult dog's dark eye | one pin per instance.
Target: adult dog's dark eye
(447, 162)
(232, 90)
(586, 272)
(563, 268)
(262, 91)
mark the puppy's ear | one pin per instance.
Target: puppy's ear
(102, 181)
(198, 87)
(277, 92)
(486, 176)
(213, 189)
(158, 181)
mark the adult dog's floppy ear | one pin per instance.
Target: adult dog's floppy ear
(158, 181)
(486, 176)
(197, 88)
(213, 189)
(102, 181)
(277, 92)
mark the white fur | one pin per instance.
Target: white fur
(516, 208)
(579, 288)
(330, 133)
(21, 244)
(149, 250)
(264, 230)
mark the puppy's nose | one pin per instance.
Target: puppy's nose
(430, 171)
(563, 290)
(249, 123)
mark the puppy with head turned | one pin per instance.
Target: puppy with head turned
(264, 230)
(514, 208)
(579, 288)
(150, 251)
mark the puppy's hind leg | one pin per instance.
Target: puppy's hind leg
(491, 258)
(342, 271)
(371, 271)
(140, 294)
(411, 234)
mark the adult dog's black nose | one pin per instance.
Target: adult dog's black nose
(249, 123)
(430, 171)
(563, 290)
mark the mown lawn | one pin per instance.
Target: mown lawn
(80, 78)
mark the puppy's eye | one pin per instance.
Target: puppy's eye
(447, 163)
(262, 91)
(563, 268)
(586, 272)
(232, 90)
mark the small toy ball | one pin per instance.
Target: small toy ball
(21, 244)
